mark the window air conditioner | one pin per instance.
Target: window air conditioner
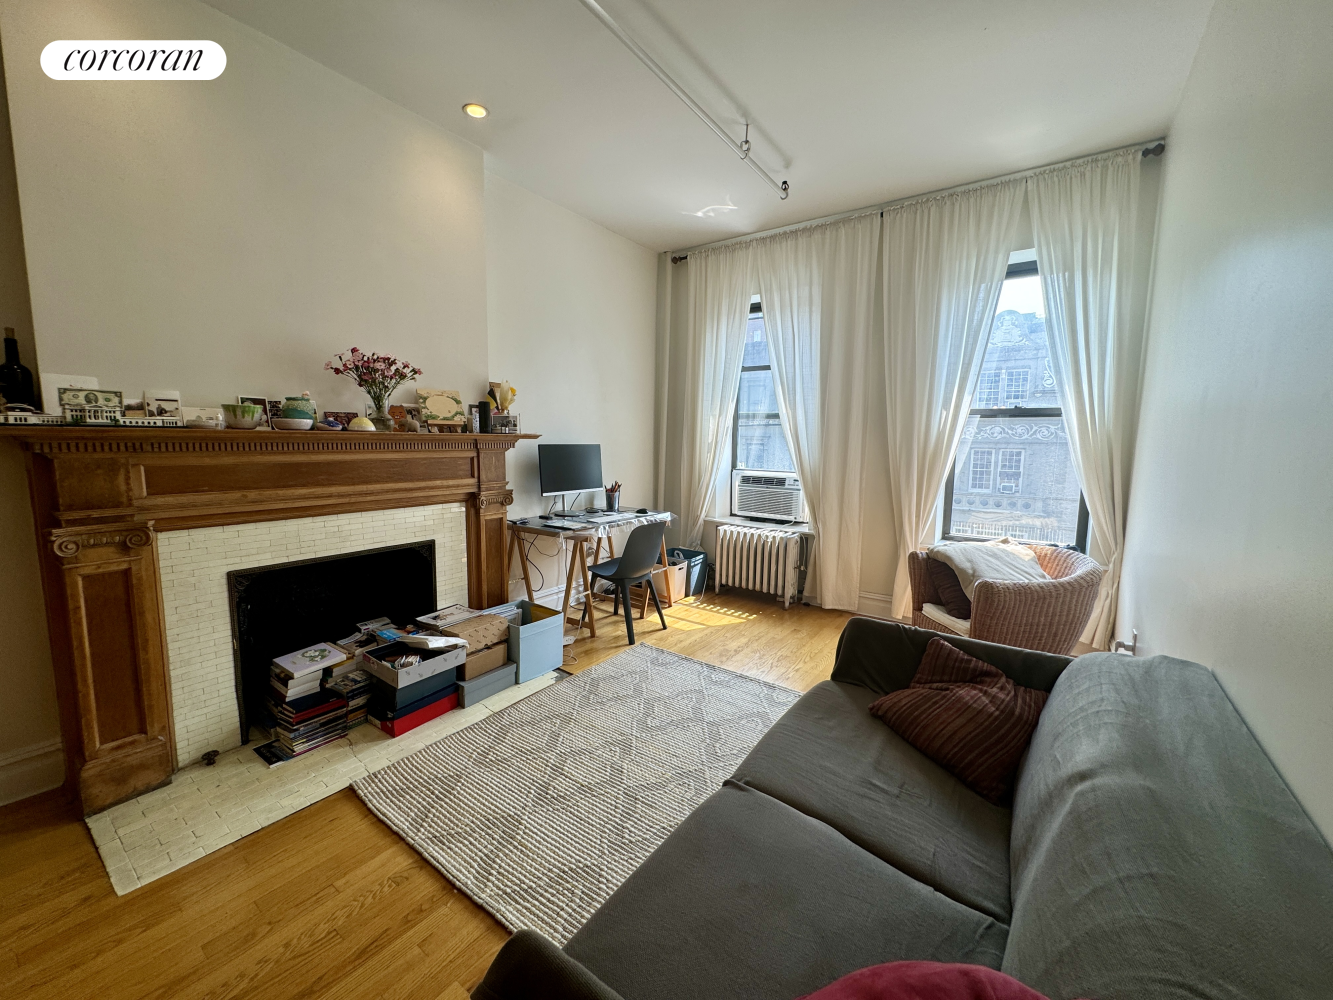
(773, 496)
(1008, 487)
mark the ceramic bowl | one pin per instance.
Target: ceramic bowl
(243, 416)
(361, 424)
(291, 424)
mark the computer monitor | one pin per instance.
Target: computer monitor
(569, 468)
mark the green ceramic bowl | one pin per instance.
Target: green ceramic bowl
(243, 416)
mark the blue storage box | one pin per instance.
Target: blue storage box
(537, 642)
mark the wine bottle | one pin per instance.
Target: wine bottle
(15, 380)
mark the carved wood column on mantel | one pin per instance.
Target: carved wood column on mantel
(101, 495)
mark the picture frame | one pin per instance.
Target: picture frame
(343, 417)
(274, 408)
(162, 402)
(261, 402)
(440, 405)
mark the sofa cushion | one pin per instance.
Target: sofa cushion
(1157, 852)
(833, 760)
(883, 656)
(950, 591)
(967, 716)
(749, 898)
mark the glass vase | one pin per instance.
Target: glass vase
(379, 415)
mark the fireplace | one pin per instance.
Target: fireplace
(138, 528)
(288, 606)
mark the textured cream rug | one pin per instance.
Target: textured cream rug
(541, 811)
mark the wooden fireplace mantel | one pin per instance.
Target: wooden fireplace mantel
(100, 495)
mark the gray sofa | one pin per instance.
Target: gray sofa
(1151, 851)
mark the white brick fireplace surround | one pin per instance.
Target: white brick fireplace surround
(194, 564)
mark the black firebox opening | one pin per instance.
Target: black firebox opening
(282, 608)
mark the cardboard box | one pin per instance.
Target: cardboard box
(387, 694)
(431, 663)
(676, 575)
(485, 660)
(406, 724)
(537, 645)
(386, 712)
(471, 692)
(481, 632)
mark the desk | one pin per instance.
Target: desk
(582, 537)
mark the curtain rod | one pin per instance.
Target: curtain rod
(1153, 147)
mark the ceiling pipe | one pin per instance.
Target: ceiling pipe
(740, 149)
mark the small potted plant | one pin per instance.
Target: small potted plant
(378, 375)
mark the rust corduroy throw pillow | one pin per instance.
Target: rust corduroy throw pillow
(967, 716)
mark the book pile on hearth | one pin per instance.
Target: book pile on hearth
(306, 714)
(355, 686)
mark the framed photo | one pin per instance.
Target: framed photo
(343, 417)
(274, 407)
(259, 401)
(162, 402)
(505, 423)
(440, 404)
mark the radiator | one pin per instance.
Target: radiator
(762, 559)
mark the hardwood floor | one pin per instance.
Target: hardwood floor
(326, 903)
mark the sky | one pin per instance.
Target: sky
(1022, 295)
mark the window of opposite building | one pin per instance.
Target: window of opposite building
(1013, 474)
(758, 442)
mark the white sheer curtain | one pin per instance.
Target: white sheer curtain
(944, 262)
(817, 288)
(1084, 222)
(720, 284)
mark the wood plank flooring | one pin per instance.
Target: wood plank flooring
(326, 903)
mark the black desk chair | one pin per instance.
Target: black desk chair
(634, 565)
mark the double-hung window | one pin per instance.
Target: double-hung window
(1014, 473)
(758, 442)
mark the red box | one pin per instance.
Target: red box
(397, 727)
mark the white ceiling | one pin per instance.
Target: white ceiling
(852, 101)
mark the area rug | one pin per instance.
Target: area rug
(540, 811)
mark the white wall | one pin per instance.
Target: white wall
(571, 314)
(1230, 555)
(227, 237)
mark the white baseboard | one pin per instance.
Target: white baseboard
(30, 770)
(875, 605)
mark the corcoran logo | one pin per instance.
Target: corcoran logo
(129, 60)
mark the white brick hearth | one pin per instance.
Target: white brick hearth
(194, 566)
(206, 808)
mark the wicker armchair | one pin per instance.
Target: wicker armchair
(1048, 615)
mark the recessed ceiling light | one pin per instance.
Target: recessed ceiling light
(475, 110)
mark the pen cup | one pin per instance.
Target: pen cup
(613, 501)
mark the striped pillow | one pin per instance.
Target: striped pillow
(967, 716)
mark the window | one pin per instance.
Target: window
(1014, 473)
(758, 441)
(983, 464)
(1011, 470)
(1016, 386)
(988, 390)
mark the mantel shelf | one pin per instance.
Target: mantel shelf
(75, 438)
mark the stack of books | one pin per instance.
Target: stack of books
(354, 686)
(298, 674)
(304, 714)
(310, 722)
